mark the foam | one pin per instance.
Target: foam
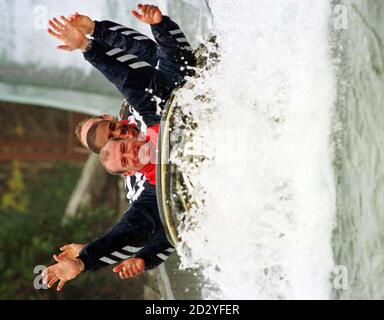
(265, 228)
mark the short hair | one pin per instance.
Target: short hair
(104, 156)
(80, 126)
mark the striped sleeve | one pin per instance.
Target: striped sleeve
(175, 53)
(118, 36)
(168, 34)
(156, 252)
(137, 80)
(109, 259)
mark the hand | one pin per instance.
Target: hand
(64, 270)
(130, 268)
(71, 251)
(72, 37)
(84, 23)
(149, 14)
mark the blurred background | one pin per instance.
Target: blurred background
(52, 191)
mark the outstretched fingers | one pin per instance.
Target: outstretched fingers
(66, 21)
(61, 284)
(53, 34)
(136, 14)
(54, 26)
(52, 281)
(47, 278)
(45, 272)
(58, 23)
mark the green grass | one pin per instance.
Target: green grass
(30, 235)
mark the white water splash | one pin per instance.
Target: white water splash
(265, 228)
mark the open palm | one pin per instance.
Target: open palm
(71, 37)
(149, 14)
(84, 23)
(64, 270)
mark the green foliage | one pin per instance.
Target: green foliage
(15, 198)
(29, 240)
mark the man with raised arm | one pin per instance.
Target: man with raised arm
(118, 52)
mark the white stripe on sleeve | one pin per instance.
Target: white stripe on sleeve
(132, 249)
(139, 64)
(128, 32)
(120, 255)
(162, 256)
(114, 51)
(181, 39)
(177, 31)
(115, 28)
(141, 38)
(107, 260)
(126, 57)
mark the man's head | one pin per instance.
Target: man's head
(125, 156)
(83, 127)
(95, 132)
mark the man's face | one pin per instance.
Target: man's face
(108, 129)
(126, 156)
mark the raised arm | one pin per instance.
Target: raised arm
(72, 38)
(116, 35)
(142, 85)
(175, 54)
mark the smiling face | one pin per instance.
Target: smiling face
(125, 156)
(102, 131)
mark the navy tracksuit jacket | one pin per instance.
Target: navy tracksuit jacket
(146, 73)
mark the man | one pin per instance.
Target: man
(146, 89)
(143, 86)
(141, 224)
(129, 155)
(93, 133)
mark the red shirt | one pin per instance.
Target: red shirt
(150, 169)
